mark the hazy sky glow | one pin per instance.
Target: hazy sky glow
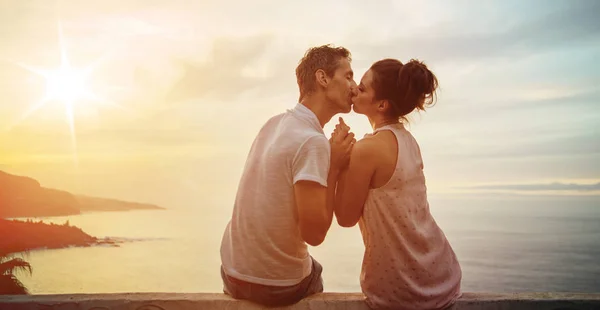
(518, 109)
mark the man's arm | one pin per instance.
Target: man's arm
(316, 202)
(315, 208)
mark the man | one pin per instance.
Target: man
(285, 198)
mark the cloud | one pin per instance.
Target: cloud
(556, 186)
(222, 75)
(562, 28)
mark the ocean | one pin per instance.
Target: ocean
(505, 243)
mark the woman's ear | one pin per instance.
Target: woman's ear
(383, 105)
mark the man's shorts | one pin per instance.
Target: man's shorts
(275, 296)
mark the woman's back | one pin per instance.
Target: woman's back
(408, 262)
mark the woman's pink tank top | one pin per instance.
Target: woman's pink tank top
(408, 262)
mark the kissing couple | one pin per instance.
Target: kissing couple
(296, 180)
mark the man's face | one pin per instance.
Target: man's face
(342, 87)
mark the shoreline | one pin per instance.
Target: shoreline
(86, 212)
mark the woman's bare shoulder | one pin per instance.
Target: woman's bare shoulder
(368, 146)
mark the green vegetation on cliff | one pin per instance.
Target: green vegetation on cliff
(20, 236)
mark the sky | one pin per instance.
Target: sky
(182, 87)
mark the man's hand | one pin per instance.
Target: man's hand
(341, 142)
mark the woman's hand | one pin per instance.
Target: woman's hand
(342, 141)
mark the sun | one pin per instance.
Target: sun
(67, 85)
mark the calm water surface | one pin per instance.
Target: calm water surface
(504, 244)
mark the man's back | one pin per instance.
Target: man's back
(262, 243)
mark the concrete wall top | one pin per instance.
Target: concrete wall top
(349, 301)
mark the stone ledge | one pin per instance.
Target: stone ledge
(350, 301)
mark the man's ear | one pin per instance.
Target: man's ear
(322, 78)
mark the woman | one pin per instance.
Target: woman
(408, 262)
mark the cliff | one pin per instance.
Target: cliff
(24, 197)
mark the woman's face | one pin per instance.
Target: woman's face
(364, 101)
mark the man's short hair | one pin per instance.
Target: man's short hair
(325, 57)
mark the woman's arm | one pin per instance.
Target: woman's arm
(354, 183)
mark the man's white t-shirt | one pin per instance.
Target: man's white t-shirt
(262, 242)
